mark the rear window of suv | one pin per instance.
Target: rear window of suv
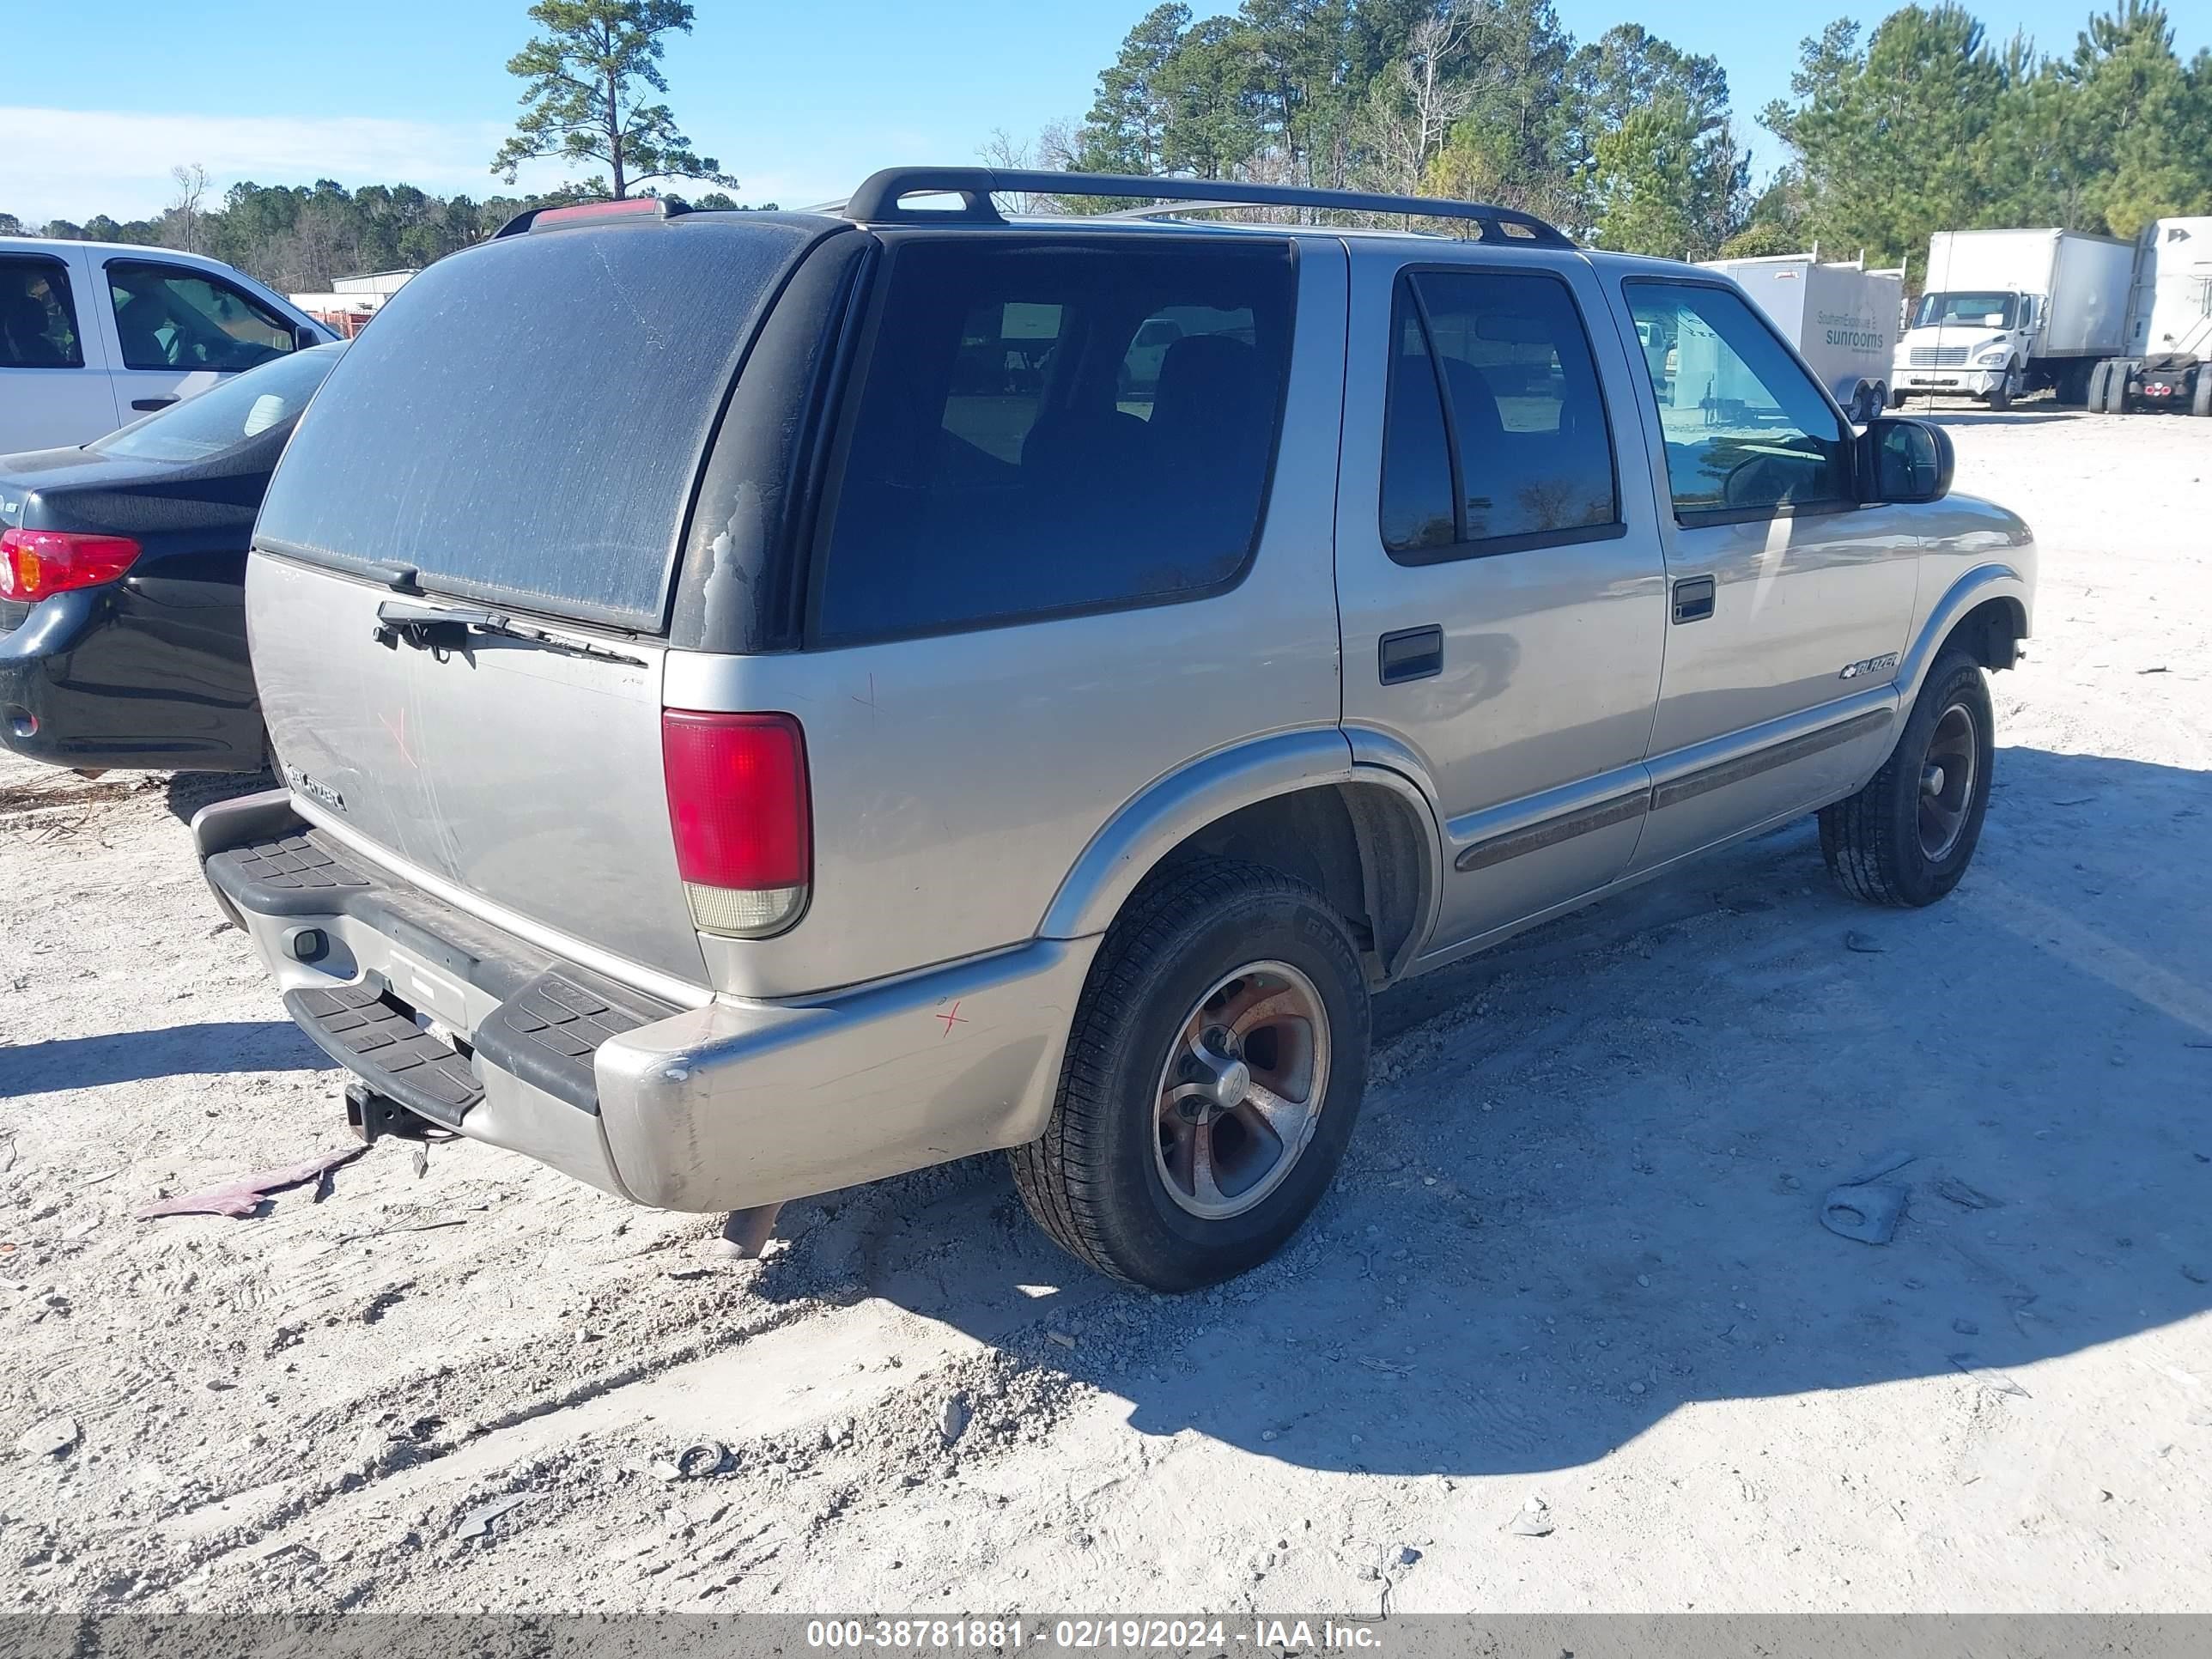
(1047, 428)
(523, 422)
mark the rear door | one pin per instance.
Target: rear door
(1502, 592)
(177, 330)
(54, 386)
(1788, 602)
(522, 430)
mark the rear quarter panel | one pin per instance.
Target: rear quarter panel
(957, 779)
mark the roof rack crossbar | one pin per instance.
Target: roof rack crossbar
(880, 200)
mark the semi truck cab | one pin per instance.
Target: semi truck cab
(1969, 343)
(2168, 361)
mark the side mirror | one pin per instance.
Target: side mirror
(304, 340)
(1901, 460)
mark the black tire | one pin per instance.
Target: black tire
(2114, 399)
(2001, 399)
(1896, 399)
(2093, 398)
(2200, 400)
(1874, 841)
(1095, 1181)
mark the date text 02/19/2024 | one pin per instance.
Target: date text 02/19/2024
(1090, 1634)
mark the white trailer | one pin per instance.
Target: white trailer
(2167, 361)
(2006, 312)
(1841, 317)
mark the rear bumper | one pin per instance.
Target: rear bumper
(723, 1106)
(82, 685)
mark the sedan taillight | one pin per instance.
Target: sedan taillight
(34, 563)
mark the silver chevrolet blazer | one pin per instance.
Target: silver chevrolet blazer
(767, 702)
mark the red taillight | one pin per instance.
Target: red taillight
(744, 826)
(34, 563)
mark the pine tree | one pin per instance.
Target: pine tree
(587, 78)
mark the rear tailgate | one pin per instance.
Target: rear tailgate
(519, 775)
(521, 430)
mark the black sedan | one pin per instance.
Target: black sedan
(121, 572)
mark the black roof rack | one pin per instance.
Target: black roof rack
(879, 201)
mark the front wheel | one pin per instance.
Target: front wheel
(1214, 1073)
(1907, 837)
(2001, 398)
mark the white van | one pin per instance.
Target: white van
(93, 335)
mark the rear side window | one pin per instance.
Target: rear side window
(523, 422)
(170, 318)
(1496, 438)
(38, 316)
(1047, 428)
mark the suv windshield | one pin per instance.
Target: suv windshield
(1978, 310)
(243, 407)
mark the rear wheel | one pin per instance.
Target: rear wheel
(1907, 837)
(2200, 400)
(1212, 1077)
(1896, 399)
(2108, 391)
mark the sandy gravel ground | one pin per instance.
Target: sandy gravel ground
(1573, 1259)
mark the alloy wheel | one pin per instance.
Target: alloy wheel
(1241, 1092)
(1947, 782)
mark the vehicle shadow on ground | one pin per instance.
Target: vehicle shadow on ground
(1587, 1186)
(211, 1048)
(188, 792)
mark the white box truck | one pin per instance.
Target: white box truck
(2007, 311)
(2166, 363)
(1841, 317)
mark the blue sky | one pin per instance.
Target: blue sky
(799, 101)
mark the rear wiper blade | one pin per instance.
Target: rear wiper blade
(432, 627)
